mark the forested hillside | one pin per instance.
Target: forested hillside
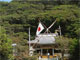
(17, 16)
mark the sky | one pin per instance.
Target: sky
(6, 0)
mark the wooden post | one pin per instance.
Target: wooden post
(60, 30)
(41, 51)
(53, 51)
(47, 51)
(29, 41)
(29, 37)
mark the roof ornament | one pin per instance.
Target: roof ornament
(50, 26)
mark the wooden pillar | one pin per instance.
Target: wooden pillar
(53, 51)
(47, 51)
(41, 51)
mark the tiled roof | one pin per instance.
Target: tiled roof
(44, 39)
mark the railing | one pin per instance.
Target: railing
(51, 56)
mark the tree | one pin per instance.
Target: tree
(5, 45)
(63, 44)
(22, 46)
(74, 49)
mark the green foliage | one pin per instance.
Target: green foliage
(22, 46)
(63, 42)
(67, 45)
(5, 45)
(31, 58)
(74, 49)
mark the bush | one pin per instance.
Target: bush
(30, 58)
